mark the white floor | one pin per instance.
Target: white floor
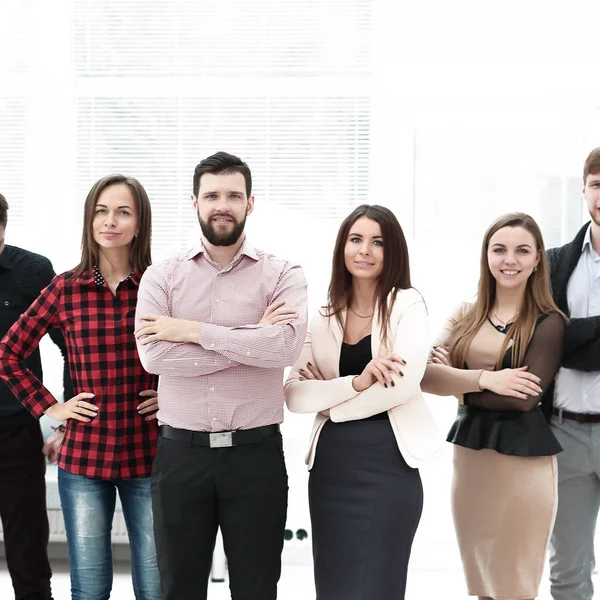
(296, 584)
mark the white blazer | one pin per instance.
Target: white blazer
(413, 423)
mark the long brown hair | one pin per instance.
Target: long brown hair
(139, 250)
(395, 274)
(537, 299)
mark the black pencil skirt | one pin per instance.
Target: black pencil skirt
(365, 506)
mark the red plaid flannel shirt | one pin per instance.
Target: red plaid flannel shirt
(98, 328)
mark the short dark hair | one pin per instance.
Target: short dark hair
(3, 211)
(222, 163)
(592, 164)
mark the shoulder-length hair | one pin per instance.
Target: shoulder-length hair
(395, 275)
(139, 248)
(537, 299)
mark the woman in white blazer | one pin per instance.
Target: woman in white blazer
(360, 371)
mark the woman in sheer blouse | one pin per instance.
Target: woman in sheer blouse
(500, 355)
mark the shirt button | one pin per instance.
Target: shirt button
(118, 351)
(212, 345)
(248, 353)
(119, 381)
(118, 324)
(217, 301)
(118, 440)
(6, 303)
(195, 364)
(212, 389)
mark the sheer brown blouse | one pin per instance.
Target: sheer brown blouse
(488, 420)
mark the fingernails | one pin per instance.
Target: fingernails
(393, 383)
(87, 420)
(302, 379)
(309, 364)
(401, 374)
(385, 385)
(403, 362)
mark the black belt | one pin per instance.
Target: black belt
(221, 439)
(579, 417)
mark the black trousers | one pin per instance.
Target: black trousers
(365, 506)
(243, 490)
(23, 511)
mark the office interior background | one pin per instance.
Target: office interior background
(449, 113)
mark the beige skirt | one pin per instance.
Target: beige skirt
(504, 509)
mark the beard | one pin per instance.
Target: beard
(226, 238)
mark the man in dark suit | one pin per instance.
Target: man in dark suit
(23, 275)
(575, 280)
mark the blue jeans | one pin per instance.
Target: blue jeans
(88, 507)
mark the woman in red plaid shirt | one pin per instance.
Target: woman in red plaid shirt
(110, 427)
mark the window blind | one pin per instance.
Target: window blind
(174, 38)
(308, 156)
(13, 140)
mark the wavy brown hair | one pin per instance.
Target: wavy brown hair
(139, 249)
(537, 299)
(395, 275)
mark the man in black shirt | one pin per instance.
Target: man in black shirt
(23, 275)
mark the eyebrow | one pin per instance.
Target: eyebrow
(217, 191)
(504, 246)
(104, 206)
(360, 235)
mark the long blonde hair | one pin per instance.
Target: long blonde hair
(537, 299)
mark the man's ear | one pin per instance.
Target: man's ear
(250, 204)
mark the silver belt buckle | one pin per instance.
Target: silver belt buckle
(222, 439)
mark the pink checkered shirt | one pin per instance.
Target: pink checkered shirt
(233, 378)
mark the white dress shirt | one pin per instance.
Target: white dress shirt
(577, 391)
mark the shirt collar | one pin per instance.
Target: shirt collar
(587, 245)
(94, 276)
(5, 258)
(587, 239)
(246, 249)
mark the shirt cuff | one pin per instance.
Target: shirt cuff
(39, 404)
(213, 337)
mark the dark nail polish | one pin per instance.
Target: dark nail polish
(385, 384)
(401, 374)
(403, 362)
(310, 364)
(393, 384)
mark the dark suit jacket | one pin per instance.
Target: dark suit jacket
(582, 339)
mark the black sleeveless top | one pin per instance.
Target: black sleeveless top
(353, 360)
